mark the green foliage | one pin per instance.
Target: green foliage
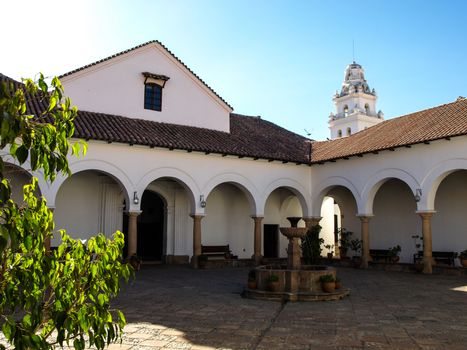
(311, 245)
(356, 245)
(273, 278)
(394, 251)
(344, 238)
(64, 293)
(326, 278)
(252, 275)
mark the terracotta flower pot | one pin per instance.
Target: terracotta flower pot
(463, 262)
(328, 287)
(273, 286)
(338, 285)
(252, 285)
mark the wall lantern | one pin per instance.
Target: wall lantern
(135, 198)
(418, 194)
(202, 202)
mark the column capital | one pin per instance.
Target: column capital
(197, 216)
(134, 212)
(426, 213)
(257, 217)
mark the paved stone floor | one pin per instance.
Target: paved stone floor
(171, 307)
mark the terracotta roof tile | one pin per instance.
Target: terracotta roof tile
(248, 137)
(435, 123)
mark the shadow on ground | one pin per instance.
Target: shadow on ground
(178, 307)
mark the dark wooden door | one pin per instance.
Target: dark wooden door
(271, 241)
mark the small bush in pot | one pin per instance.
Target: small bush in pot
(273, 283)
(463, 258)
(328, 283)
(252, 279)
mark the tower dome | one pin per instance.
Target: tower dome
(355, 104)
(354, 80)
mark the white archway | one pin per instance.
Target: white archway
(238, 181)
(434, 178)
(179, 176)
(295, 187)
(324, 187)
(94, 165)
(378, 179)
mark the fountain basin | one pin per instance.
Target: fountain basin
(293, 232)
(293, 285)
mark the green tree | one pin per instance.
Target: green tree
(311, 245)
(59, 297)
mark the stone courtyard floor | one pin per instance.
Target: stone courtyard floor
(174, 307)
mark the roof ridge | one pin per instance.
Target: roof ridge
(138, 47)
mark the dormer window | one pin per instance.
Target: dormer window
(153, 97)
(153, 85)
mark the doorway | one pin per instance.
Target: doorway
(271, 241)
(151, 227)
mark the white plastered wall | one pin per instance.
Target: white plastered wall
(116, 87)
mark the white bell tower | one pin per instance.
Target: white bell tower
(355, 105)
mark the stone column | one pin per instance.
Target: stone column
(196, 239)
(428, 261)
(365, 222)
(132, 232)
(257, 239)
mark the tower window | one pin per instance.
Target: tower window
(153, 97)
(349, 131)
(367, 109)
(339, 133)
(346, 111)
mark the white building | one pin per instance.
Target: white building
(171, 165)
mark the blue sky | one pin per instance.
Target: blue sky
(282, 60)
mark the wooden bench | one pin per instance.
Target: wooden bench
(380, 255)
(215, 250)
(441, 257)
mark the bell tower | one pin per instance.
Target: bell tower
(355, 104)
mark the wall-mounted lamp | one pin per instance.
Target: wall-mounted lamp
(418, 194)
(135, 198)
(202, 202)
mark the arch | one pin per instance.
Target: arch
(378, 179)
(346, 111)
(178, 175)
(349, 131)
(239, 181)
(324, 187)
(434, 178)
(367, 109)
(44, 186)
(339, 133)
(94, 165)
(292, 185)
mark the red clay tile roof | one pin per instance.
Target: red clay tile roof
(436, 123)
(137, 47)
(248, 137)
(257, 138)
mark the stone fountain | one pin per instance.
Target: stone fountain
(296, 282)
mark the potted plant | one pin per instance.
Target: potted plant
(135, 262)
(463, 258)
(344, 242)
(202, 260)
(328, 283)
(356, 246)
(338, 283)
(330, 248)
(394, 253)
(273, 283)
(252, 279)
